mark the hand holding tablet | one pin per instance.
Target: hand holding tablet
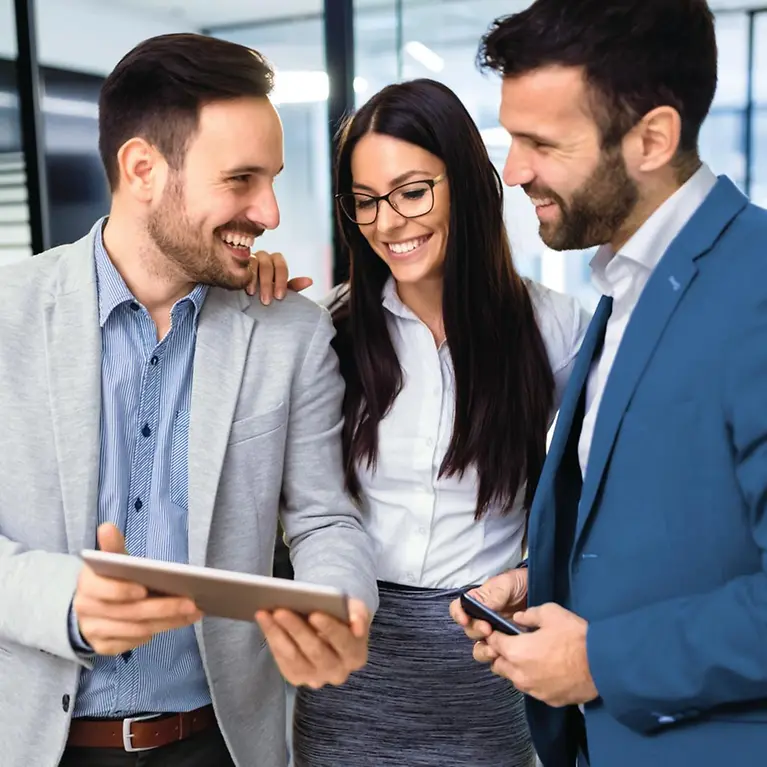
(317, 635)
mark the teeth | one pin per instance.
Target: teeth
(406, 247)
(238, 240)
(539, 203)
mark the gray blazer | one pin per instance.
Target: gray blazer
(264, 436)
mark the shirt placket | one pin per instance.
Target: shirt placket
(140, 487)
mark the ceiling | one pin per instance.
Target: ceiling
(204, 13)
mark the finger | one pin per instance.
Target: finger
(313, 643)
(264, 268)
(298, 284)
(504, 668)
(154, 609)
(359, 618)
(95, 587)
(110, 538)
(457, 613)
(530, 618)
(280, 278)
(295, 667)
(97, 631)
(483, 653)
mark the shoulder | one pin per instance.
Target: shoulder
(562, 322)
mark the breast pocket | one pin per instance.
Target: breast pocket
(258, 425)
(179, 460)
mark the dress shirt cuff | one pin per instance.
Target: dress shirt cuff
(79, 645)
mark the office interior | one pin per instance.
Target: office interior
(329, 57)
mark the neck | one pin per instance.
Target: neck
(424, 299)
(650, 199)
(154, 281)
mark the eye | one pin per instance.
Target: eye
(242, 179)
(414, 194)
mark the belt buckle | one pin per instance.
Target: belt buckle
(128, 735)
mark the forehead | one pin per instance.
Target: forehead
(378, 157)
(239, 133)
(551, 98)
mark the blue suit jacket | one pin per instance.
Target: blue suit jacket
(664, 548)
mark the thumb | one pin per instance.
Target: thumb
(530, 618)
(359, 618)
(493, 593)
(110, 539)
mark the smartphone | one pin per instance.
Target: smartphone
(475, 609)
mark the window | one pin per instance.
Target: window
(15, 238)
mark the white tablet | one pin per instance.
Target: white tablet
(220, 593)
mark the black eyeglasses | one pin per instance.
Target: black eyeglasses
(411, 200)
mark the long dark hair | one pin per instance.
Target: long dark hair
(503, 380)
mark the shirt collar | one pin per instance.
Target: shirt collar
(112, 290)
(392, 302)
(648, 244)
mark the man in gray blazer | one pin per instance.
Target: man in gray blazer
(148, 403)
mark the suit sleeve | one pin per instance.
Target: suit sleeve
(323, 528)
(676, 660)
(36, 590)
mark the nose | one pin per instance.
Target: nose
(388, 219)
(264, 209)
(517, 170)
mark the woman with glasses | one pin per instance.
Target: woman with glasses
(453, 366)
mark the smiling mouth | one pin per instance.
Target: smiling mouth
(407, 247)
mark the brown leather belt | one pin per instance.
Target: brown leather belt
(139, 733)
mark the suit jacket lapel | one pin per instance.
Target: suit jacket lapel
(661, 295)
(73, 354)
(543, 512)
(223, 339)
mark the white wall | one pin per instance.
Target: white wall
(84, 35)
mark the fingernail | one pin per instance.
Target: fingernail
(265, 300)
(279, 295)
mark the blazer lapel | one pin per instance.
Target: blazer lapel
(73, 355)
(223, 339)
(543, 512)
(659, 299)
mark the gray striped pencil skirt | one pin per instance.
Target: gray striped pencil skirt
(421, 700)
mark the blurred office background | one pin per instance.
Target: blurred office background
(364, 45)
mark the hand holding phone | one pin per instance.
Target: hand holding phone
(475, 609)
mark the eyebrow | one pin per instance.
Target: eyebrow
(256, 170)
(536, 137)
(398, 180)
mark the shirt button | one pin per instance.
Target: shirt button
(138, 504)
(421, 531)
(410, 576)
(146, 431)
(65, 703)
(127, 655)
(154, 361)
(134, 306)
(430, 442)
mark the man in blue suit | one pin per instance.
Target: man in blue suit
(648, 534)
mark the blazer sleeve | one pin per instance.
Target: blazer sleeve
(677, 659)
(323, 528)
(36, 590)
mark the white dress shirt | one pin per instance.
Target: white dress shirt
(423, 526)
(624, 276)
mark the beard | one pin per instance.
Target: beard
(596, 210)
(201, 258)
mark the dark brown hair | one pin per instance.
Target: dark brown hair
(157, 90)
(503, 381)
(637, 55)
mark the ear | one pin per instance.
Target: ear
(655, 139)
(142, 169)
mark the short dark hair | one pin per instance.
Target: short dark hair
(157, 90)
(637, 55)
(504, 387)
